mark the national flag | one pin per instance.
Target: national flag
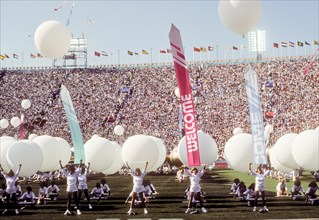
(291, 44)
(196, 49)
(16, 56)
(97, 54)
(104, 53)
(2, 57)
(210, 48)
(130, 53)
(283, 44)
(203, 49)
(135, 53)
(32, 55)
(144, 52)
(169, 51)
(61, 6)
(306, 43)
(276, 45)
(162, 51)
(39, 55)
(6, 55)
(235, 48)
(90, 21)
(300, 44)
(315, 42)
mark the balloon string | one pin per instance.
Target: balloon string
(68, 21)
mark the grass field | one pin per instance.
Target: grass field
(170, 203)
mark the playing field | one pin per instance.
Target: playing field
(171, 204)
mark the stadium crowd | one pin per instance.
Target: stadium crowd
(142, 100)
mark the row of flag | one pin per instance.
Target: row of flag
(292, 44)
(16, 56)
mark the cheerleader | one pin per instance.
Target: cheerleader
(105, 187)
(259, 186)
(28, 197)
(97, 192)
(138, 187)
(43, 193)
(53, 191)
(71, 175)
(82, 182)
(10, 191)
(250, 194)
(297, 189)
(195, 189)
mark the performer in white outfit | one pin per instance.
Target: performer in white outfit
(260, 176)
(53, 191)
(72, 175)
(82, 182)
(10, 192)
(195, 189)
(138, 187)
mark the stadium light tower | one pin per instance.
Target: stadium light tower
(257, 42)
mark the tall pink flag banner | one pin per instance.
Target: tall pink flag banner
(186, 98)
(22, 127)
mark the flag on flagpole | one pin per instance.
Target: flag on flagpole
(283, 44)
(210, 48)
(162, 51)
(16, 56)
(235, 48)
(130, 53)
(97, 54)
(203, 49)
(90, 21)
(300, 44)
(276, 45)
(103, 53)
(61, 6)
(136, 53)
(39, 55)
(2, 57)
(186, 98)
(6, 55)
(291, 44)
(32, 55)
(144, 52)
(315, 42)
(306, 43)
(196, 49)
(169, 51)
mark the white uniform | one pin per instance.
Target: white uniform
(28, 196)
(10, 181)
(105, 188)
(98, 192)
(260, 180)
(53, 189)
(137, 181)
(297, 189)
(82, 178)
(71, 180)
(249, 194)
(43, 192)
(195, 179)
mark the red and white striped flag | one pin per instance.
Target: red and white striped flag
(186, 98)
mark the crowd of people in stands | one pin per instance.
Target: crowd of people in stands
(142, 100)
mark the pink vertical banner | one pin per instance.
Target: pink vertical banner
(186, 98)
(22, 127)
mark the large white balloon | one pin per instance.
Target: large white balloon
(117, 162)
(174, 154)
(64, 151)
(100, 153)
(276, 164)
(282, 150)
(240, 16)
(15, 122)
(52, 39)
(5, 143)
(139, 149)
(4, 123)
(161, 154)
(239, 152)
(269, 128)
(26, 103)
(27, 153)
(208, 151)
(237, 130)
(305, 150)
(119, 130)
(32, 136)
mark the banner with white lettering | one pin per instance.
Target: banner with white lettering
(186, 98)
(74, 126)
(256, 116)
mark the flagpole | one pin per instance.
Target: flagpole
(151, 56)
(289, 50)
(305, 49)
(273, 52)
(118, 58)
(297, 51)
(225, 55)
(281, 53)
(217, 53)
(193, 56)
(22, 59)
(208, 55)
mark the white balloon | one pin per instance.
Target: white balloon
(239, 152)
(117, 161)
(283, 150)
(240, 16)
(5, 143)
(15, 122)
(26, 103)
(161, 154)
(139, 149)
(269, 128)
(100, 153)
(119, 130)
(52, 39)
(276, 164)
(208, 151)
(305, 150)
(174, 154)
(176, 92)
(32, 136)
(95, 136)
(27, 153)
(266, 135)
(237, 131)
(64, 151)
(4, 123)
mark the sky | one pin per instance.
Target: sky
(120, 26)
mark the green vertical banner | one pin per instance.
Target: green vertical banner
(74, 126)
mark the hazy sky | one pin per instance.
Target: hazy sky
(135, 25)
